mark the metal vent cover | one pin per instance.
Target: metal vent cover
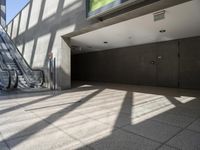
(159, 15)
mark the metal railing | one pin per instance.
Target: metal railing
(33, 77)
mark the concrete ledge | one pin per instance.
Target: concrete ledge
(129, 13)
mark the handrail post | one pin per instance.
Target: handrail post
(54, 73)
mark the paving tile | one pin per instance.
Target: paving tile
(114, 119)
(13, 119)
(172, 119)
(89, 110)
(105, 100)
(194, 104)
(51, 140)
(54, 114)
(22, 128)
(29, 101)
(184, 111)
(86, 130)
(185, 99)
(54, 102)
(6, 100)
(3, 146)
(47, 111)
(150, 115)
(154, 130)
(120, 140)
(12, 113)
(186, 140)
(6, 106)
(150, 107)
(114, 103)
(145, 98)
(65, 119)
(167, 148)
(195, 126)
(99, 112)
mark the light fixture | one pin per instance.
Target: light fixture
(162, 31)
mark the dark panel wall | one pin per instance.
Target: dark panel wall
(141, 64)
(124, 65)
(190, 63)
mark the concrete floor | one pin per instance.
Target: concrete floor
(103, 117)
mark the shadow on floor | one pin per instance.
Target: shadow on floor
(158, 123)
(35, 128)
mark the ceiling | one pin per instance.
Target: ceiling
(180, 21)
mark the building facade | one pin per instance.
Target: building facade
(100, 40)
(3, 12)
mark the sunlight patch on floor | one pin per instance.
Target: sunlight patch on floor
(184, 99)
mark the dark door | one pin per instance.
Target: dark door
(147, 64)
(167, 64)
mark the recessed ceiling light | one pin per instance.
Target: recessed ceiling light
(162, 31)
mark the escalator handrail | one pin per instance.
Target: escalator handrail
(5, 69)
(17, 50)
(10, 86)
(9, 80)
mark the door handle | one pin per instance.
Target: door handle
(160, 57)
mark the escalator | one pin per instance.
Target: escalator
(13, 64)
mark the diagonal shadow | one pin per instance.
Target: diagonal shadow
(10, 109)
(36, 40)
(23, 94)
(27, 23)
(53, 33)
(41, 24)
(126, 107)
(37, 127)
(18, 25)
(173, 101)
(106, 142)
